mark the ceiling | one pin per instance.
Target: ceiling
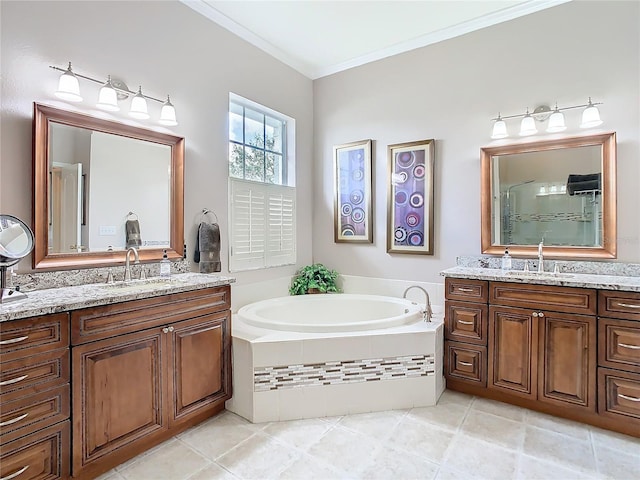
(322, 37)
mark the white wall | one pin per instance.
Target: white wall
(167, 48)
(449, 91)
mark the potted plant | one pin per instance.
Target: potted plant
(314, 278)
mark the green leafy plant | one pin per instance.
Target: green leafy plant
(314, 277)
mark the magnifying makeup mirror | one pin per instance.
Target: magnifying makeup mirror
(16, 242)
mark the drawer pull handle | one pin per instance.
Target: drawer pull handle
(16, 473)
(465, 323)
(626, 397)
(466, 364)
(468, 290)
(14, 420)
(632, 347)
(13, 340)
(19, 379)
(629, 305)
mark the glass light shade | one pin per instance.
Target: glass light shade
(168, 114)
(528, 126)
(590, 117)
(499, 129)
(108, 98)
(68, 87)
(139, 106)
(556, 122)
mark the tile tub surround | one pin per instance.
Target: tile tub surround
(42, 302)
(581, 280)
(407, 360)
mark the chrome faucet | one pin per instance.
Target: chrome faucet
(127, 268)
(540, 257)
(427, 312)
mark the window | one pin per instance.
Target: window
(257, 145)
(262, 229)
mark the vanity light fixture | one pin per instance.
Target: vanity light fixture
(68, 86)
(590, 116)
(556, 121)
(108, 97)
(528, 125)
(139, 106)
(590, 119)
(499, 128)
(168, 114)
(110, 93)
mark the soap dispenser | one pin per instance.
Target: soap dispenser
(165, 265)
(506, 260)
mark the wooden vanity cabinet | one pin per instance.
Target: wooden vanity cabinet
(34, 398)
(571, 352)
(619, 357)
(542, 344)
(133, 389)
(466, 320)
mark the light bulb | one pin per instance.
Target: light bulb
(68, 86)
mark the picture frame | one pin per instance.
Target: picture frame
(353, 216)
(410, 197)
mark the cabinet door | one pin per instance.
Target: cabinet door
(513, 357)
(118, 390)
(567, 369)
(43, 455)
(200, 365)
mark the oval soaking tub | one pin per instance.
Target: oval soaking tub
(331, 313)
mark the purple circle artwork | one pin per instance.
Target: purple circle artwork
(408, 195)
(351, 197)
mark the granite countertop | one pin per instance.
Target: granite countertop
(53, 300)
(605, 282)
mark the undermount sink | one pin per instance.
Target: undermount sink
(520, 273)
(138, 285)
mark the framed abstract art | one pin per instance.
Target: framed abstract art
(352, 203)
(410, 198)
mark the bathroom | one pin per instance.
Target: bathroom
(448, 91)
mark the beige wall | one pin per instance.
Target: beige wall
(167, 48)
(449, 91)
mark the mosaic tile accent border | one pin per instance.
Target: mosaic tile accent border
(345, 371)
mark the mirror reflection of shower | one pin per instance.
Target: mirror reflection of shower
(509, 211)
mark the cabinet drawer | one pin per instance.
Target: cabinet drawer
(466, 362)
(466, 322)
(22, 338)
(544, 297)
(619, 304)
(43, 455)
(619, 344)
(106, 321)
(28, 414)
(618, 393)
(466, 290)
(26, 376)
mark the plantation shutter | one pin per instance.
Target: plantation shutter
(262, 225)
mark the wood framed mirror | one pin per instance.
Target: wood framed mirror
(559, 191)
(91, 175)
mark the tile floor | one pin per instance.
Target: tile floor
(462, 437)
